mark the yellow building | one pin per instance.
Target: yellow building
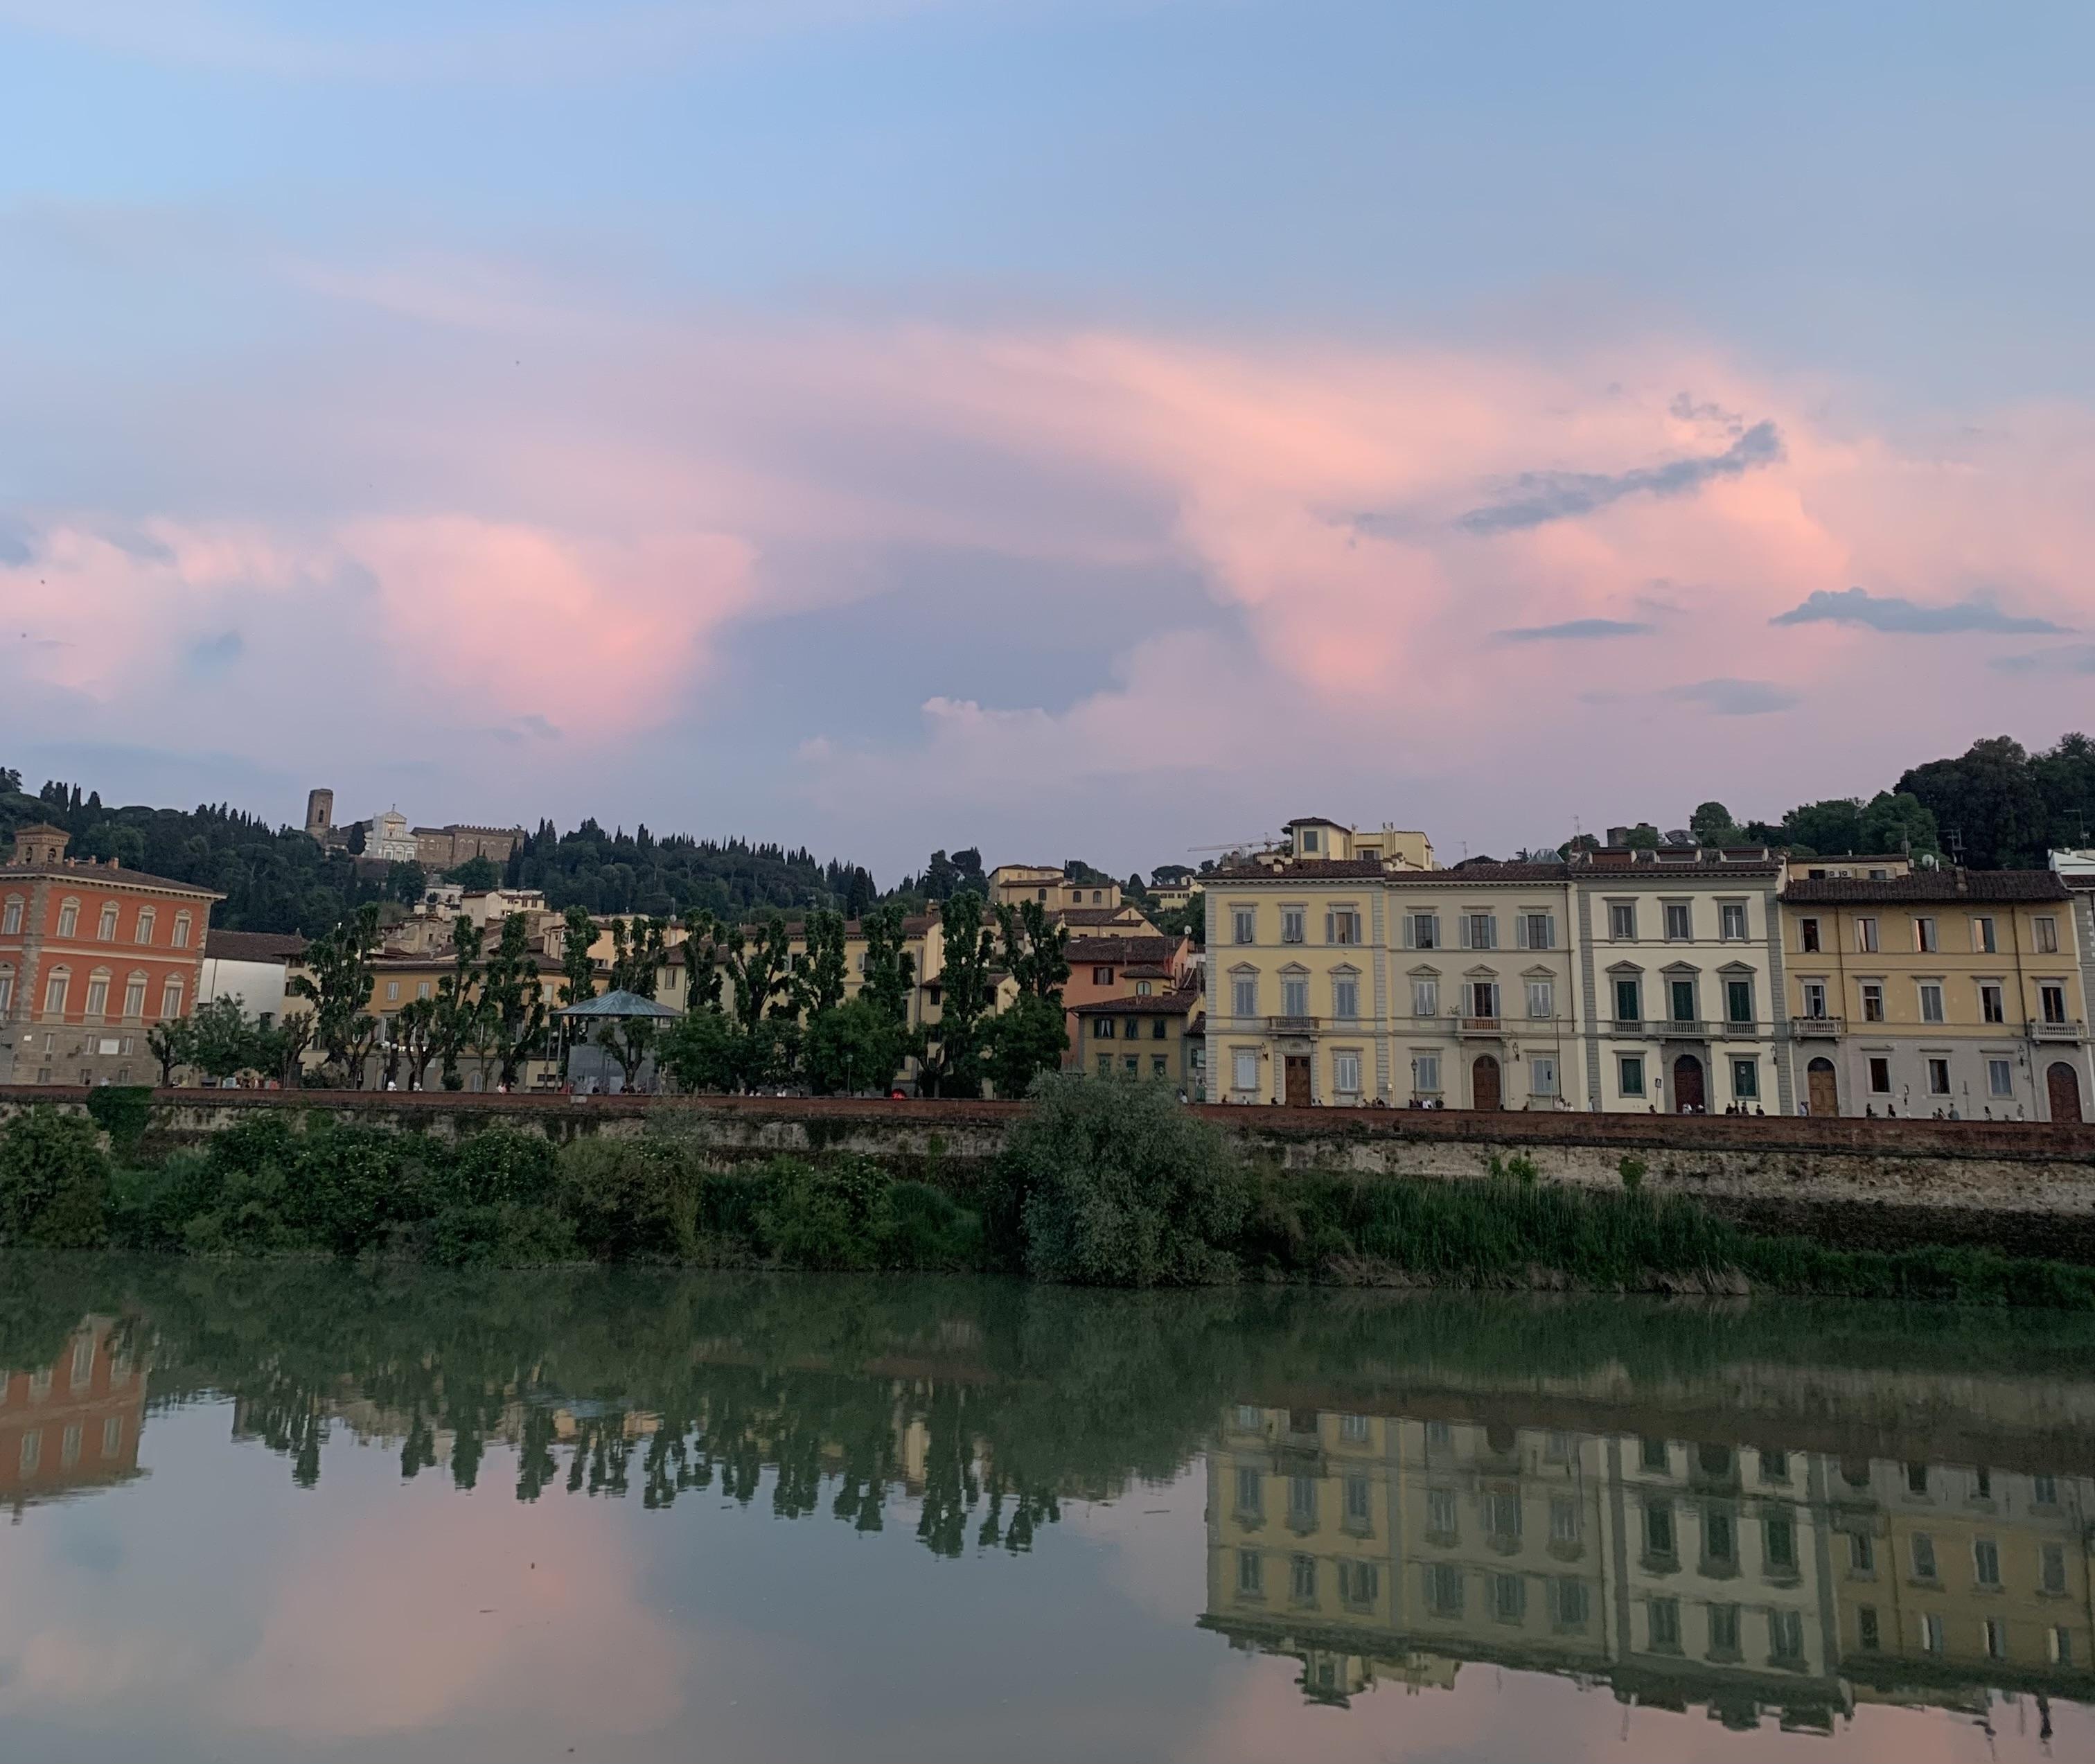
(1158, 1038)
(1941, 991)
(1011, 884)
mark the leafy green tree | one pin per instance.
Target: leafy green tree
(578, 970)
(1034, 949)
(1024, 1041)
(171, 1043)
(820, 971)
(460, 1018)
(890, 980)
(341, 970)
(1712, 825)
(636, 955)
(223, 1039)
(1988, 803)
(703, 1051)
(406, 883)
(759, 969)
(1889, 823)
(414, 1029)
(1833, 826)
(1643, 837)
(1188, 921)
(476, 875)
(515, 1001)
(852, 1047)
(959, 1041)
(53, 1182)
(286, 1042)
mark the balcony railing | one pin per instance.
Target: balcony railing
(1684, 1029)
(1293, 1025)
(1816, 1028)
(2041, 1030)
(1480, 1026)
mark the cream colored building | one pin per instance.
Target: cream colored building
(1010, 884)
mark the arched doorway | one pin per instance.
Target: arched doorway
(2063, 1082)
(1485, 1082)
(1688, 1095)
(1822, 1088)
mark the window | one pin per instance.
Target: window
(1440, 1517)
(1302, 1580)
(1867, 1634)
(1731, 922)
(1342, 926)
(1873, 1001)
(1651, 1456)
(69, 918)
(1426, 998)
(112, 1436)
(1629, 1001)
(1102, 1028)
(1159, 1029)
(1244, 1069)
(1665, 1622)
(54, 992)
(1880, 1075)
(1444, 1589)
(1720, 1538)
(1992, 1004)
(1535, 931)
(1250, 1487)
(1807, 936)
(98, 995)
(1621, 920)
(1814, 1001)
(2051, 1001)
(1360, 1503)
(1243, 994)
(1659, 1534)
(181, 937)
(1542, 1075)
(1346, 1073)
(1775, 1467)
(1983, 942)
(2000, 1078)
(1746, 1080)
(392, 991)
(134, 996)
(1570, 1603)
(1680, 922)
(1923, 1557)
(1779, 1538)
(1480, 931)
(1931, 1001)
(1541, 999)
(1925, 941)
(1346, 998)
(170, 998)
(2044, 1490)
(1302, 1500)
(1931, 1632)
(1502, 1515)
(1724, 1632)
(1986, 1561)
(1294, 995)
(2062, 1645)
(1359, 1582)
(1938, 1077)
(1484, 999)
(1862, 1553)
(6, 989)
(1509, 1598)
(2044, 932)
(106, 930)
(1426, 1074)
(1916, 1480)
(1290, 925)
(1680, 996)
(1738, 1001)
(1242, 926)
(1251, 1573)
(1631, 1074)
(1865, 936)
(1564, 1527)
(1424, 931)
(1785, 1637)
(146, 917)
(1131, 1064)
(1996, 1639)
(2051, 1568)
(1310, 838)
(10, 916)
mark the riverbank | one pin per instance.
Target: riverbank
(1094, 1185)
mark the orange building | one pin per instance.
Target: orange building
(74, 1424)
(1111, 967)
(91, 956)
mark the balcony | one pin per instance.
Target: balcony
(1684, 1029)
(1293, 1025)
(1478, 1025)
(1816, 1028)
(2042, 1030)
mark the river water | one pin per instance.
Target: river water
(291, 1513)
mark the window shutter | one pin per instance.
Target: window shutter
(1462, 928)
(1520, 931)
(1410, 930)
(1330, 927)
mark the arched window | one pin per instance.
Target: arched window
(69, 918)
(7, 988)
(107, 930)
(181, 930)
(170, 1000)
(146, 917)
(134, 994)
(98, 993)
(55, 991)
(10, 916)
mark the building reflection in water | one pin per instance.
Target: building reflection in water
(71, 1426)
(1745, 1580)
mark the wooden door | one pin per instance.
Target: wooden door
(1296, 1071)
(1687, 1092)
(2063, 1082)
(1485, 1082)
(1822, 1088)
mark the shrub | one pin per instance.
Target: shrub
(930, 1231)
(1123, 1187)
(123, 1111)
(54, 1181)
(830, 1215)
(1632, 1169)
(630, 1200)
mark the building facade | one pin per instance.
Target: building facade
(91, 956)
(1940, 990)
(1156, 1038)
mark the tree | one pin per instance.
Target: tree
(414, 1030)
(459, 1019)
(636, 955)
(1834, 825)
(1188, 921)
(852, 1047)
(222, 1040)
(1897, 823)
(169, 1043)
(1712, 825)
(341, 970)
(476, 875)
(515, 1001)
(820, 971)
(1988, 803)
(956, 1068)
(758, 969)
(629, 1040)
(1034, 949)
(1024, 1041)
(890, 980)
(406, 883)
(287, 1044)
(702, 1050)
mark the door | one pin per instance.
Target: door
(1687, 1095)
(1822, 1088)
(2063, 1082)
(1296, 1071)
(1485, 1082)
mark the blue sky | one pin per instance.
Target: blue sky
(862, 359)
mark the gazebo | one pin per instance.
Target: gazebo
(590, 1066)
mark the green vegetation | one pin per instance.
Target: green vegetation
(1100, 1184)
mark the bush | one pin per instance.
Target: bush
(123, 1111)
(631, 1200)
(54, 1181)
(1123, 1187)
(929, 1231)
(830, 1215)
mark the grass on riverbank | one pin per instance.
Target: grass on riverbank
(1101, 1185)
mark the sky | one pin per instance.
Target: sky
(1099, 428)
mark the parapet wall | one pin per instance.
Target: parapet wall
(2027, 1187)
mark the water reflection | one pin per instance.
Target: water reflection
(1777, 1519)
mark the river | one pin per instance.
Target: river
(293, 1512)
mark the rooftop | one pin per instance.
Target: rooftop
(1120, 951)
(1161, 1005)
(253, 946)
(1942, 886)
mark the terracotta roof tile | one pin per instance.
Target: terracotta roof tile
(1945, 887)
